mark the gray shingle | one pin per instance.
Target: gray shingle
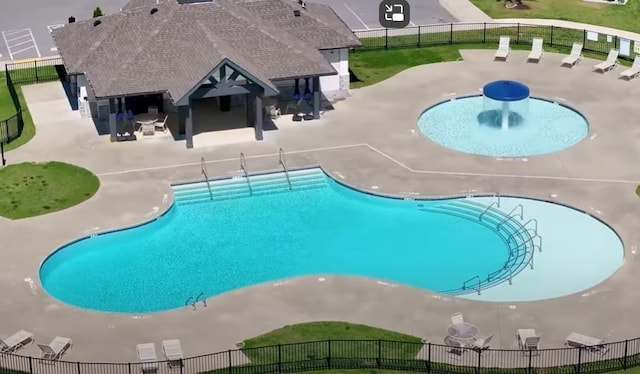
(176, 48)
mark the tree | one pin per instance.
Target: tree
(97, 12)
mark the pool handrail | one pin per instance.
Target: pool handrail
(512, 215)
(283, 163)
(203, 169)
(487, 209)
(243, 167)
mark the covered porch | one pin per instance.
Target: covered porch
(229, 98)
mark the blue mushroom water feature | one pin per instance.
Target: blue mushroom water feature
(502, 97)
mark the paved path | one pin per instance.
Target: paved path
(369, 140)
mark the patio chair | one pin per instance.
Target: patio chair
(575, 56)
(455, 348)
(457, 319)
(274, 112)
(15, 342)
(503, 49)
(161, 124)
(531, 343)
(173, 352)
(536, 50)
(609, 64)
(148, 358)
(633, 71)
(58, 346)
(152, 110)
(482, 343)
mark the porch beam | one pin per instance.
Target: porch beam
(316, 97)
(189, 125)
(113, 125)
(223, 73)
(258, 117)
(234, 76)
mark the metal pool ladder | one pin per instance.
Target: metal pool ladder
(203, 169)
(284, 166)
(243, 167)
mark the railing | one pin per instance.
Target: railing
(535, 225)
(203, 169)
(284, 165)
(512, 215)
(486, 210)
(243, 167)
(477, 283)
(485, 33)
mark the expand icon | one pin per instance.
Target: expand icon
(394, 13)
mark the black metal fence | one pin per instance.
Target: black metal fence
(361, 354)
(486, 33)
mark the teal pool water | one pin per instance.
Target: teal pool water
(215, 247)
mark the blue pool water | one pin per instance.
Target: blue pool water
(265, 232)
(548, 127)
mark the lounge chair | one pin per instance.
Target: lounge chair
(536, 50)
(56, 348)
(633, 71)
(274, 112)
(503, 49)
(173, 352)
(16, 341)
(610, 63)
(575, 56)
(457, 319)
(162, 124)
(148, 358)
(482, 343)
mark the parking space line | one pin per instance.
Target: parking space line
(356, 15)
(35, 45)
(7, 44)
(13, 45)
(18, 38)
(23, 50)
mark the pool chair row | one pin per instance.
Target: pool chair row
(149, 359)
(52, 351)
(574, 57)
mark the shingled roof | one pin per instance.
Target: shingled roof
(177, 46)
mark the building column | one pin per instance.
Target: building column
(250, 99)
(188, 126)
(73, 86)
(316, 97)
(113, 125)
(258, 117)
(182, 119)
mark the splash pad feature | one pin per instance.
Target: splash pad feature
(504, 94)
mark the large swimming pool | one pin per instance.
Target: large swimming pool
(269, 228)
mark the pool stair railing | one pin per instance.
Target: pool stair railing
(203, 168)
(261, 184)
(193, 301)
(283, 163)
(521, 239)
(243, 167)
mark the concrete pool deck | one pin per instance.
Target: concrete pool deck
(368, 141)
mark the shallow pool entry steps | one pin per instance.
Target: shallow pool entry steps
(522, 241)
(254, 185)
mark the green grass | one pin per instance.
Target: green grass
(8, 110)
(624, 17)
(32, 189)
(638, 191)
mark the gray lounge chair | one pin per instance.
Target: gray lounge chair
(148, 358)
(633, 71)
(609, 64)
(503, 49)
(173, 352)
(536, 50)
(575, 56)
(58, 346)
(482, 344)
(15, 342)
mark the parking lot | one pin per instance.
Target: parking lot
(25, 25)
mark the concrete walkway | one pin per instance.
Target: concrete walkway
(367, 141)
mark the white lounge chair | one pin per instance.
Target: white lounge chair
(457, 319)
(58, 346)
(162, 124)
(536, 50)
(503, 48)
(16, 341)
(173, 352)
(148, 358)
(575, 56)
(482, 343)
(610, 63)
(633, 71)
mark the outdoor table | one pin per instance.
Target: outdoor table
(464, 333)
(147, 122)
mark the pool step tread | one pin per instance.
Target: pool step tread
(260, 178)
(241, 184)
(207, 197)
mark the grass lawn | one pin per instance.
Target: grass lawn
(638, 191)
(32, 189)
(8, 110)
(624, 17)
(371, 67)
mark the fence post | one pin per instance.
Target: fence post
(379, 353)
(551, 37)
(428, 357)
(530, 361)
(484, 33)
(329, 353)
(419, 36)
(584, 38)
(78, 367)
(229, 356)
(129, 366)
(35, 67)
(279, 358)
(479, 362)
(386, 38)
(30, 358)
(451, 33)
(518, 34)
(579, 360)
(626, 353)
